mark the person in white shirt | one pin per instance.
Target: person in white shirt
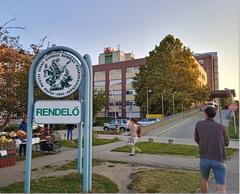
(135, 134)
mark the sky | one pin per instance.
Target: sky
(89, 26)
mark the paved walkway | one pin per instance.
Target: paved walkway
(183, 141)
(16, 173)
(232, 179)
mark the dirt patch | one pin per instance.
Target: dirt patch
(119, 173)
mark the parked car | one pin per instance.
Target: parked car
(116, 124)
(211, 104)
(148, 121)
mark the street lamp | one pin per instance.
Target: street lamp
(162, 102)
(147, 99)
(174, 102)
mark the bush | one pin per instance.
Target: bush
(11, 127)
(99, 121)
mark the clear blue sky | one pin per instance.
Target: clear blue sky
(137, 25)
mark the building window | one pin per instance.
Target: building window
(129, 81)
(99, 83)
(108, 58)
(99, 73)
(130, 103)
(115, 82)
(131, 92)
(115, 93)
(115, 103)
(133, 70)
(115, 71)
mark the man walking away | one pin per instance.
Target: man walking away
(212, 138)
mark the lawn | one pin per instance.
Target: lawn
(110, 132)
(96, 142)
(231, 129)
(165, 181)
(63, 184)
(169, 149)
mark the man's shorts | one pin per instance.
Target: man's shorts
(219, 170)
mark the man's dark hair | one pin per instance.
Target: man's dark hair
(210, 111)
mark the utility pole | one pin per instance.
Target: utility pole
(162, 102)
(147, 99)
(174, 103)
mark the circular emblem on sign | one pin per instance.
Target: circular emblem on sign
(58, 74)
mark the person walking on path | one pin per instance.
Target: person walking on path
(135, 133)
(212, 138)
(70, 127)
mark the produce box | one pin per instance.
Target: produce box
(7, 145)
(10, 158)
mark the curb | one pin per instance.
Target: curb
(233, 139)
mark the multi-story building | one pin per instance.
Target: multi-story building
(115, 80)
(210, 62)
(202, 78)
(112, 56)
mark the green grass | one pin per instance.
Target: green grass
(96, 142)
(73, 164)
(165, 181)
(110, 132)
(63, 184)
(231, 129)
(169, 149)
(99, 121)
(231, 132)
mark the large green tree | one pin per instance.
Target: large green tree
(169, 69)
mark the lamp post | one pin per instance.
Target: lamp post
(162, 102)
(147, 99)
(174, 103)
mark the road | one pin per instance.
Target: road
(184, 128)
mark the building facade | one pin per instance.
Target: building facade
(210, 62)
(111, 56)
(115, 80)
(202, 78)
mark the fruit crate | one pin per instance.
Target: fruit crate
(7, 145)
(9, 159)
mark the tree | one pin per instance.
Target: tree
(201, 94)
(170, 68)
(99, 101)
(8, 40)
(13, 82)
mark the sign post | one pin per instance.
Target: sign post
(59, 72)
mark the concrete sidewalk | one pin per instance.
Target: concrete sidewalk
(183, 141)
(232, 178)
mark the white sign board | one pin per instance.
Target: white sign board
(58, 74)
(57, 112)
